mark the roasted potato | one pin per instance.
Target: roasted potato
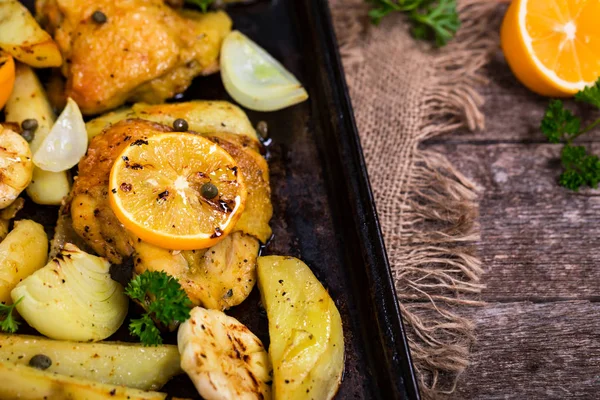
(127, 364)
(23, 38)
(202, 117)
(22, 252)
(305, 329)
(16, 166)
(27, 383)
(29, 101)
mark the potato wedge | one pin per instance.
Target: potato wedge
(23, 38)
(22, 252)
(27, 383)
(305, 329)
(127, 364)
(29, 100)
(202, 117)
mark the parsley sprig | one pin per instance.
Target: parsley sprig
(7, 321)
(202, 4)
(560, 126)
(430, 19)
(163, 299)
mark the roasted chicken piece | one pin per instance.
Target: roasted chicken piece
(219, 277)
(131, 50)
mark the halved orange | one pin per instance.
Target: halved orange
(7, 77)
(553, 46)
(162, 188)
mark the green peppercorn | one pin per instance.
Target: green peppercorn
(27, 135)
(40, 361)
(29, 124)
(180, 125)
(99, 17)
(209, 191)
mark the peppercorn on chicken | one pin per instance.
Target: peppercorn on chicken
(131, 50)
(218, 277)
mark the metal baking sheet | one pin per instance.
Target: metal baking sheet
(324, 211)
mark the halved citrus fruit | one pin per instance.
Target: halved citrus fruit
(7, 77)
(553, 46)
(178, 191)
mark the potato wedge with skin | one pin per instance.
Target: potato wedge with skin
(127, 364)
(202, 117)
(27, 383)
(22, 252)
(305, 329)
(23, 38)
(29, 100)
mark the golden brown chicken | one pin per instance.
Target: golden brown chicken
(131, 50)
(218, 277)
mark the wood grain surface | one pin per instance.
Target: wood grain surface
(539, 335)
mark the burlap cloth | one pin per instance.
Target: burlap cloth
(404, 92)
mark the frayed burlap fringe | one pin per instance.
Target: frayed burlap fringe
(428, 210)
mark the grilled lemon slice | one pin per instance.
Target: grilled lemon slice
(178, 191)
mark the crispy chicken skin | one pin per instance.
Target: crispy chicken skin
(218, 277)
(145, 51)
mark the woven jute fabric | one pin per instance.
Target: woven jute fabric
(404, 92)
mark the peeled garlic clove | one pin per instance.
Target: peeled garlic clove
(66, 143)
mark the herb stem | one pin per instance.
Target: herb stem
(584, 130)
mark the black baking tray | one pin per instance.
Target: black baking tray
(324, 211)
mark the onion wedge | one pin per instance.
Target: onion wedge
(254, 78)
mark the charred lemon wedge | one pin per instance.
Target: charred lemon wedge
(177, 191)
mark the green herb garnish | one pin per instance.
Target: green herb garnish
(202, 4)
(8, 323)
(163, 299)
(430, 19)
(560, 126)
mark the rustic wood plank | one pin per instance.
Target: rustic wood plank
(539, 241)
(513, 113)
(534, 351)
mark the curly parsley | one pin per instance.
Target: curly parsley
(561, 126)
(430, 19)
(163, 299)
(7, 321)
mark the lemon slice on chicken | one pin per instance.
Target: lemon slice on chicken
(223, 358)
(254, 78)
(177, 191)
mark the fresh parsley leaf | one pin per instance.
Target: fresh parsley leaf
(559, 123)
(202, 4)
(145, 329)
(438, 20)
(431, 19)
(8, 323)
(163, 299)
(581, 168)
(590, 95)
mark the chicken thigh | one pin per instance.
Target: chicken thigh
(131, 50)
(218, 277)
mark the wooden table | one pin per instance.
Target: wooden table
(539, 335)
